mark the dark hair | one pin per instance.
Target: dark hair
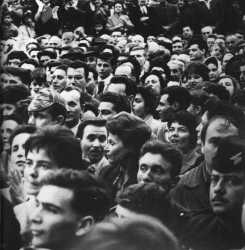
(17, 54)
(139, 233)
(239, 97)
(25, 128)
(38, 75)
(158, 75)
(94, 122)
(51, 54)
(105, 56)
(130, 85)
(187, 119)
(167, 151)
(133, 131)
(226, 111)
(90, 196)
(80, 64)
(30, 61)
(146, 198)
(60, 145)
(120, 102)
(178, 94)
(149, 99)
(197, 68)
(23, 74)
(200, 42)
(220, 91)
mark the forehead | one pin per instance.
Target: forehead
(194, 46)
(164, 98)
(93, 129)
(219, 127)
(101, 61)
(20, 138)
(177, 124)
(72, 95)
(151, 77)
(238, 174)
(154, 159)
(117, 88)
(106, 105)
(137, 52)
(59, 72)
(58, 196)
(9, 124)
(79, 71)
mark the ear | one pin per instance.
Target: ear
(175, 106)
(60, 119)
(84, 225)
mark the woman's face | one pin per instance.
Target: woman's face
(115, 149)
(154, 83)
(139, 106)
(118, 8)
(228, 84)
(213, 72)
(193, 81)
(179, 135)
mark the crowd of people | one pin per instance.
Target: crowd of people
(122, 124)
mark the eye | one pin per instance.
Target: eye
(143, 168)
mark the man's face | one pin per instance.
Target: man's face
(231, 42)
(187, 33)
(213, 72)
(103, 68)
(38, 165)
(154, 168)
(175, 71)
(58, 81)
(73, 107)
(54, 222)
(9, 79)
(210, 42)
(106, 110)
(227, 192)
(76, 78)
(41, 118)
(218, 128)
(118, 88)
(15, 62)
(178, 47)
(195, 52)
(17, 155)
(163, 104)
(44, 59)
(93, 142)
(242, 75)
(116, 35)
(206, 31)
(139, 55)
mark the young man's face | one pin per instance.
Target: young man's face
(195, 52)
(41, 118)
(227, 192)
(93, 142)
(76, 77)
(73, 108)
(139, 55)
(103, 68)
(217, 129)
(17, 153)
(9, 79)
(54, 222)
(154, 168)
(58, 81)
(38, 164)
(163, 104)
(15, 62)
(106, 110)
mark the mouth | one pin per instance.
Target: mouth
(22, 163)
(174, 141)
(36, 233)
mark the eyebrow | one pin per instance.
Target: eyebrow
(50, 205)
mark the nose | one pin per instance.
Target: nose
(33, 172)
(35, 216)
(96, 143)
(147, 176)
(31, 119)
(219, 187)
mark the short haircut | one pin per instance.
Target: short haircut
(139, 233)
(187, 119)
(130, 85)
(167, 151)
(197, 68)
(133, 131)
(17, 54)
(25, 128)
(60, 145)
(80, 64)
(158, 75)
(200, 42)
(218, 90)
(228, 112)
(51, 54)
(30, 61)
(106, 56)
(178, 94)
(149, 99)
(120, 102)
(23, 74)
(146, 198)
(90, 196)
(94, 122)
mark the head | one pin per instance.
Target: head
(15, 58)
(93, 135)
(214, 68)
(187, 32)
(73, 107)
(17, 141)
(206, 31)
(228, 178)
(159, 163)
(144, 102)
(59, 78)
(111, 104)
(77, 200)
(139, 54)
(230, 83)
(50, 148)
(77, 75)
(104, 65)
(197, 49)
(231, 42)
(128, 234)
(126, 134)
(181, 131)
(178, 47)
(47, 108)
